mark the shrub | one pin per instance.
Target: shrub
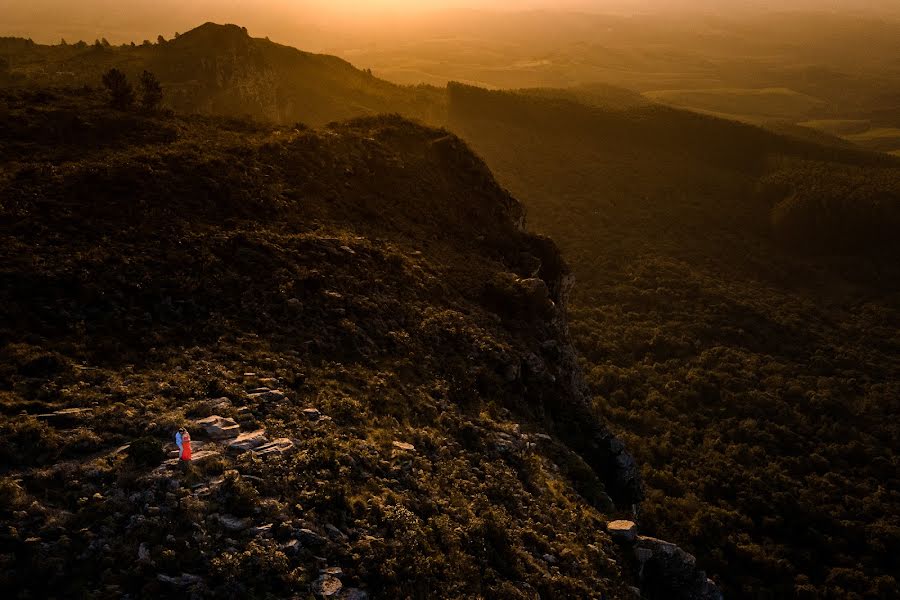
(146, 452)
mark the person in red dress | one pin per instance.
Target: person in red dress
(183, 441)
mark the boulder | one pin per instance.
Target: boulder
(327, 586)
(334, 533)
(248, 441)
(622, 531)
(310, 538)
(220, 428)
(232, 523)
(267, 396)
(312, 414)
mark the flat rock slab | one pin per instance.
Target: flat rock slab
(622, 531)
(66, 415)
(279, 446)
(248, 441)
(220, 428)
(204, 455)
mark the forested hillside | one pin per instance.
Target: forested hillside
(737, 311)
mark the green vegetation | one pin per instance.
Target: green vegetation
(737, 310)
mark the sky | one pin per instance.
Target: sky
(47, 21)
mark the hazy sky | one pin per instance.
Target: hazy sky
(126, 20)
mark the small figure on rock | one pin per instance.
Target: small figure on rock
(183, 441)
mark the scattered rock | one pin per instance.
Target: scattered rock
(183, 581)
(267, 396)
(353, 594)
(221, 403)
(549, 559)
(622, 531)
(404, 446)
(308, 537)
(261, 531)
(336, 571)
(334, 533)
(291, 547)
(327, 586)
(312, 414)
(248, 441)
(279, 446)
(143, 553)
(232, 523)
(220, 428)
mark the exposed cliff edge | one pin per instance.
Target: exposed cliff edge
(369, 351)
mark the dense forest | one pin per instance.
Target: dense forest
(737, 313)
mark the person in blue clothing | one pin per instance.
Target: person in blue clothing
(183, 441)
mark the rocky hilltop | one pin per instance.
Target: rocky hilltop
(370, 353)
(220, 69)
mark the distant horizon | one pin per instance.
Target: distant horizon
(288, 23)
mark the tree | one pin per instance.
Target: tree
(120, 91)
(160, 40)
(151, 91)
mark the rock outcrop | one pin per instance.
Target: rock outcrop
(663, 570)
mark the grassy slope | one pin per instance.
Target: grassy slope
(756, 385)
(148, 262)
